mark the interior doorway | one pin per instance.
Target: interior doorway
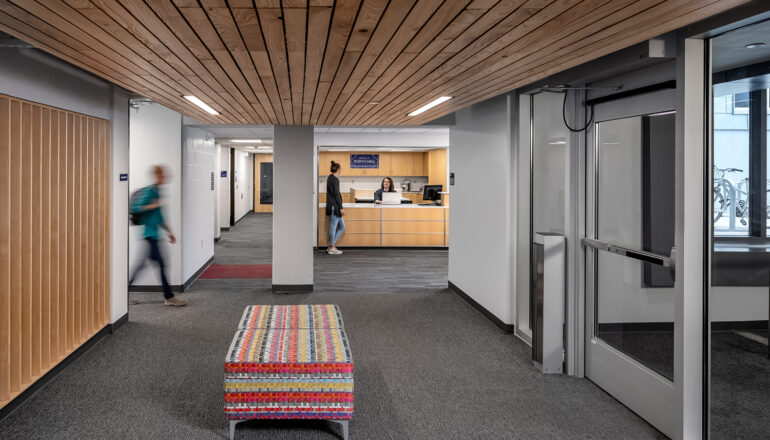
(630, 235)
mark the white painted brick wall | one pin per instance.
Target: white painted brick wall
(198, 200)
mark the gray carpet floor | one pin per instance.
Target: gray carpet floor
(427, 365)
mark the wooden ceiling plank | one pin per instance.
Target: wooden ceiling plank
(589, 13)
(528, 16)
(324, 3)
(228, 31)
(595, 18)
(317, 29)
(69, 22)
(58, 25)
(25, 31)
(408, 37)
(199, 21)
(177, 70)
(376, 21)
(482, 4)
(251, 32)
(198, 76)
(271, 20)
(437, 52)
(295, 20)
(294, 4)
(645, 26)
(344, 16)
(268, 3)
(409, 62)
(171, 29)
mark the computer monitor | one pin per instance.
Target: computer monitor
(432, 193)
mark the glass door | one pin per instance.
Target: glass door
(630, 222)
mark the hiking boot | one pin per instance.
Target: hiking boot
(174, 301)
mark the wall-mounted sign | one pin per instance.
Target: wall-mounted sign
(364, 161)
(223, 174)
(124, 177)
(212, 181)
(451, 179)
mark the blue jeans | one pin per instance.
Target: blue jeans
(157, 257)
(336, 228)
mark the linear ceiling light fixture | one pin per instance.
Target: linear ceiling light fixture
(430, 105)
(246, 141)
(201, 104)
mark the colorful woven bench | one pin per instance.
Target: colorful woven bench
(289, 362)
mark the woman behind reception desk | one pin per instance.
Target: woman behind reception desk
(334, 208)
(385, 186)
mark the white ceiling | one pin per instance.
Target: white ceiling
(729, 50)
(225, 133)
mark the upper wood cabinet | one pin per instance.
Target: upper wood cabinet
(418, 164)
(394, 163)
(437, 168)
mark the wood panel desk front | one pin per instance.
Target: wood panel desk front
(389, 226)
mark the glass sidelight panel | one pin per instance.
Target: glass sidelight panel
(635, 209)
(738, 304)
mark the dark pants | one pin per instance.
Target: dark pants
(156, 256)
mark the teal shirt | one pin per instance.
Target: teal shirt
(154, 217)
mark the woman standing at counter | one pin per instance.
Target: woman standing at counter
(334, 208)
(385, 186)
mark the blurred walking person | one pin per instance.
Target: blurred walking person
(145, 209)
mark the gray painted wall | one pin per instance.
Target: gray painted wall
(293, 205)
(479, 213)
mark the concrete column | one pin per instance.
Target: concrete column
(293, 208)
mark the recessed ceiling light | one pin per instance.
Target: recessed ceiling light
(755, 45)
(246, 141)
(201, 104)
(374, 102)
(430, 105)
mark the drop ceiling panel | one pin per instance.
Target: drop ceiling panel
(349, 62)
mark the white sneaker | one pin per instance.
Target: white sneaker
(334, 251)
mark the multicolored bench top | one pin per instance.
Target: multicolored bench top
(292, 316)
(274, 347)
(289, 362)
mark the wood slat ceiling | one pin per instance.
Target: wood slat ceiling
(343, 62)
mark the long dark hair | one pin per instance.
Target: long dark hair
(334, 167)
(382, 185)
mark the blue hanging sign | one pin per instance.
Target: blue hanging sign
(364, 161)
(124, 177)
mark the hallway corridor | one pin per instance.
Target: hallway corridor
(427, 365)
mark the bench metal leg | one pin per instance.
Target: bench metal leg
(344, 425)
(232, 427)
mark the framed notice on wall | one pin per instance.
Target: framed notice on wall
(364, 161)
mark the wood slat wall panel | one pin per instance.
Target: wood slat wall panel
(54, 221)
(346, 62)
(5, 250)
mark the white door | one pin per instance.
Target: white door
(630, 233)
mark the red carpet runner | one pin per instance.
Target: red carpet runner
(242, 271)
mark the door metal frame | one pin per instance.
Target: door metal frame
(643, 390)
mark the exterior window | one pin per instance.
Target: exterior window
(731, 165)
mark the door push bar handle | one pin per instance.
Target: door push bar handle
(636, 254)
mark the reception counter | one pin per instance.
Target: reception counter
(368, 224)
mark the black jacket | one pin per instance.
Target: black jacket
(333, 196)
